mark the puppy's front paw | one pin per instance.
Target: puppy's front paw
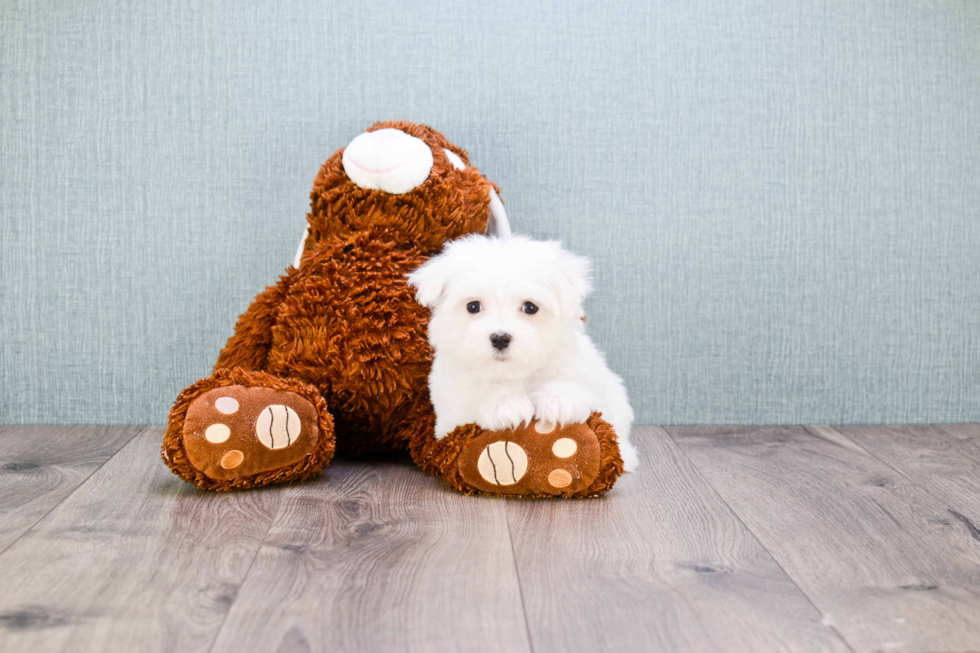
(507, 413)
(553, 408)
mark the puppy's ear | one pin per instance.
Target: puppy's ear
(574, 280)
(430, 280)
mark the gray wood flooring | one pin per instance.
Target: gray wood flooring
(727, 539)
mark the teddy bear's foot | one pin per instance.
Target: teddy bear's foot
(239, 429)
(538, 460)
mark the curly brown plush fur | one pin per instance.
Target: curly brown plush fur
(451, 203)
(344, 330)
(346, 320)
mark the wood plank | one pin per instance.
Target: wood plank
(878, 554)
(133, 560)
(659, 564)
(944, 459)
(380, 556)
(41, 465)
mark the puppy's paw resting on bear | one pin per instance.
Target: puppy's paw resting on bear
(560, 403)
(507, 412)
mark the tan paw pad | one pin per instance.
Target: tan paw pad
(232, 459)
(502, 463)
(217, 433)
(559, 478)
(564, 447)
(235, 431)
(278, 426)
(226, 405)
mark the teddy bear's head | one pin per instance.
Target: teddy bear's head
(404, 182)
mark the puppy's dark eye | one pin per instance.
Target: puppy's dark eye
(474, 307)
(530, 308)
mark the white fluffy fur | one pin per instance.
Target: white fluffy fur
(551, 370)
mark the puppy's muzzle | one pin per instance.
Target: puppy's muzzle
(500, 340)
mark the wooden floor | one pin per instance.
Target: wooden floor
(727, 539)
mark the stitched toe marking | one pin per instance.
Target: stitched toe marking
(502, 463)
(277, 426)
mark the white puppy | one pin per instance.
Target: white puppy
(509, 337)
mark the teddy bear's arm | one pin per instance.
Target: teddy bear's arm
(249, 347)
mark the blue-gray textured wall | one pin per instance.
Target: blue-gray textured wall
(782, 197)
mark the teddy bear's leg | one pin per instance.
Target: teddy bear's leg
(579, 460)
(249, 347)
(238, 429)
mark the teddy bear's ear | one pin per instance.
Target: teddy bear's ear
(497, 225)
(430, 280)
(302, 245)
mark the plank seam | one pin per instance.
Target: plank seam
(970, 528)
(139, 431)
(251, 563)
(517, 575)
(772, 557)
(945, 430)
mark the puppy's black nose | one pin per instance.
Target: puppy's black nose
(500, 340)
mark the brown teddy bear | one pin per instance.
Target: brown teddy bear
(335, 354)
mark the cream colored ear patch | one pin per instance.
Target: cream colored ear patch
(454, 159)
(217, 433)
(502, 463)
